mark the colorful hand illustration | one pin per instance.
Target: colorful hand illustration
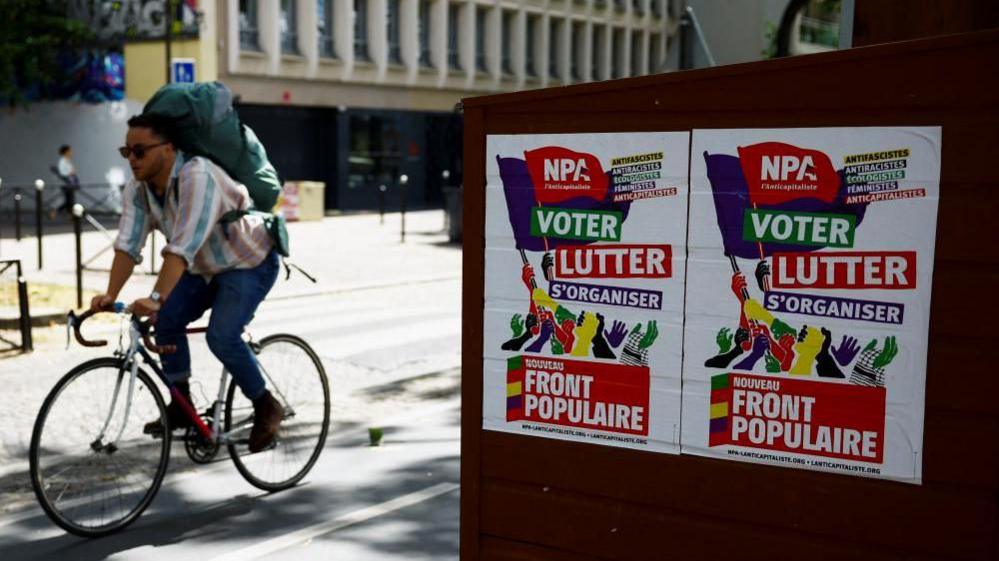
(762, 272)
(887, 354)
(847, 350)
(527, 275)
(600, 347)
(518, 341)
(869, 370)
(825, 366)
(739, 286)
(586, 328)
(773, 365)
(636, 350)
(724, 340)
(807, 348)
(780, 329)
(761, 344)
(548, 267)
(617, 333)
(722, 360)
(546, 332)
(756, 312)
(517, 325)
(543, 300)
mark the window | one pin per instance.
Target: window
(599, 41)
(394, 54)
(324, 19)
(508, 42)
(288, 26)
(619, 5)
(530, 62)
(453, 11)
(639, 7)
(655, 50)
(425, 34)
(578, 43)
(553, 49)
(657, 7)
(636, 52)
(361, 30)
(249, 34)
(619, 70)
(480, 39)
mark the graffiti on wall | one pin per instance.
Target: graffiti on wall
(126, 20)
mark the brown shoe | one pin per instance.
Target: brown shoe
(267, 415)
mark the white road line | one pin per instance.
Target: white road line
(285, 541)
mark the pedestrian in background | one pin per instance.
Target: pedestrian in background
(67, 174)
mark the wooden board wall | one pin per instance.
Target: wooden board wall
(533, 498)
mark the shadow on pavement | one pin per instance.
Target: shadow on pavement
(254, 516)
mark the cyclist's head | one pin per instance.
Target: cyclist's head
(148, 146)
(66, 150)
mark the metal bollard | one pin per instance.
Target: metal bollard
(17, 213)
(78, 235)
(403, 180)
(381, 203)
(22, 296)
(39, 189)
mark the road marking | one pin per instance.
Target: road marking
(285, 541)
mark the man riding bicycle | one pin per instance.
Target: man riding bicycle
(228, 266)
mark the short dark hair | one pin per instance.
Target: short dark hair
(160, 126)
(63, 149)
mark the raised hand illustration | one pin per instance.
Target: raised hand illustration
(724, 340)
(762, 272)
(761, 344)
(756, 312)
(636, 349)
(518, 341)
(564, 333)
(807, 348)
(517, 325)
(548, 267)
(739, 286)
(547, 328)
(773, 365)
(600, 347)
(527, 275)
(557, 348)
(616, 334)
(586, 329)
(869, 370)
(825, 365)
(846, 351)
(722, 360)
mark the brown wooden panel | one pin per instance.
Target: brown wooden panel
(884, 21)
(473, 287)
(498, 549)
(705, 508)
(590, 526)
(950, 362)
(865, 510)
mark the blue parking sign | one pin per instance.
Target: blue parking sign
(182, 70)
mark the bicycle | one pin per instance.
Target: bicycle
(93, 469)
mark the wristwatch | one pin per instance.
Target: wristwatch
(155, 297)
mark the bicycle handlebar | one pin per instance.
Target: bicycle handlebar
(74, 322)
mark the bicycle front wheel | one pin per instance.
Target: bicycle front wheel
(92, 468)
(296, 378)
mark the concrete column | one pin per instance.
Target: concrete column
(268, 22)
(519, 38)
(308, 33)
(343, 29)
(466, 41)
(409, 36)
(438, 38)
(378, 35)
(494, 38)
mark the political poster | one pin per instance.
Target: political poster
(585, 251)
(808, 291)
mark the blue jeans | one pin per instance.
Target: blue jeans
(233, 297)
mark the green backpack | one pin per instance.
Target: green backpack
(205, 124)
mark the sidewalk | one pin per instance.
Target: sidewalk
(343, 253)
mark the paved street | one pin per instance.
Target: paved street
(385, 319)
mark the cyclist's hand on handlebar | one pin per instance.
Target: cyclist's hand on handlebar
(101, 302)
(144, 307)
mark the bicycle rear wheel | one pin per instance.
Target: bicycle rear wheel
(88, 482)
(296, 378)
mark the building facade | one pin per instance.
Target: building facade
(357, 93)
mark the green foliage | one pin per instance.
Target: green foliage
(33, 33)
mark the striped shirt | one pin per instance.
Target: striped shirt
(198, 194)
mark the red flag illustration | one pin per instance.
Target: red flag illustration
(560, 174)
(777, 173)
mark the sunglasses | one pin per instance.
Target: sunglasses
(139, 151)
